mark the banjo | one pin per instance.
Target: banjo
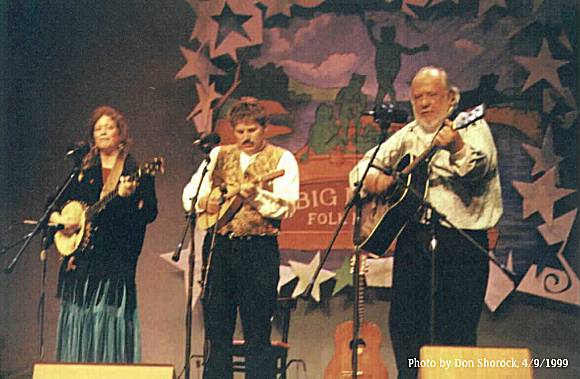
(81, 238)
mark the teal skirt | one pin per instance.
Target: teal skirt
(96, 329)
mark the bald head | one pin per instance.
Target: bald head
(432, 73)
(432, 97)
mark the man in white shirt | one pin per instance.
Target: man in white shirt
(244, 267)
(464, 186)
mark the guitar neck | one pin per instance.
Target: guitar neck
(101, 204)
(146, 169)
(462, 121)
(417, 161)
(360, 292)
(270, 176)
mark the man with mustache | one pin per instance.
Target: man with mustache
(243, 270)
(464, 185)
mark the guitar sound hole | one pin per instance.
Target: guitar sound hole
(360, 344)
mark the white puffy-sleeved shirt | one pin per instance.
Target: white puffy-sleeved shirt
(464, 186)
(280, 203)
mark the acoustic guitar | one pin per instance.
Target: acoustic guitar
(81, 239)
(384, 216)
(368, 344)
(233, 201)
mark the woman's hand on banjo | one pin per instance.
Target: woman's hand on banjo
(126, 187)
(70, 223)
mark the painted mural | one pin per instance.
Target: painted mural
(318, 65)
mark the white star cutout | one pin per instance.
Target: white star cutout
(198, 65)
(305, 272)
(183, 265)
(544, 158)
(286, 276)
(499, 284)
(559, 230)
(541, 195)
(542, 66)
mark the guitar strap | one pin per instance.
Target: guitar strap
(115, 174)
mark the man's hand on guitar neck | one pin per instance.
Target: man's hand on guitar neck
(448, 138)
(377, 182)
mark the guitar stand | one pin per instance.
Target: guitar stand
(355, 201)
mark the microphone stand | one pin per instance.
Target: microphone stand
(434, 218)
(190, 223)
(42, 224)
(355, 201)
(42, 221)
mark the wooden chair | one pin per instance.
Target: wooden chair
(279, 348)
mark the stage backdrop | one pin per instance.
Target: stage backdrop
(176, 67)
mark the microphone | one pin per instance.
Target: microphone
(387, 113)
(211, 139)
(52, 226)
(78, 149)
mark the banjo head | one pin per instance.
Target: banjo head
(67, 244)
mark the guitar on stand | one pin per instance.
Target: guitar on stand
(367, 345)
(385, 217)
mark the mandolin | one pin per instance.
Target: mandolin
(81, 239)
(384, 216)
(368, 344)
(233, 201)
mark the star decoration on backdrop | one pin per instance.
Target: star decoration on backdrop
(343, 276)
(202, 113)
(499, 284)
(541, 195)
(549, 100)
(238, 24)
(305, 272)
(230, 22)
(554, 283)
(486, 5)
(559, 230)
(275, 7)
(198, 65)
(183, 265)
(286, 276)
(204, 24)
(544, 158)
(407, 5)
(542, 66)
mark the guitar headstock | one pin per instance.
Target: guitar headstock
(467, 118)
(152, 168)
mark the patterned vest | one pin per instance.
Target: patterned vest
(247, 221)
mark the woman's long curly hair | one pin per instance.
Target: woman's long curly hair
(105, 110)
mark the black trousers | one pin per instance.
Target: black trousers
(461, 281)
(244, 274)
